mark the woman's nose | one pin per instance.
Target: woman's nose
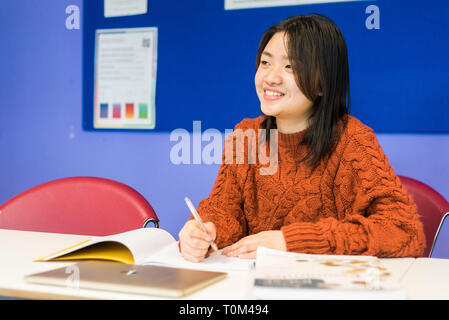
(273, 76)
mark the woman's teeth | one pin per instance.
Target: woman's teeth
(272, 93)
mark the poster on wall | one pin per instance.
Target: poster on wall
(125, 78)
(121, 8)
(247, 4)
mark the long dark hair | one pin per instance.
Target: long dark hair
(318, 55)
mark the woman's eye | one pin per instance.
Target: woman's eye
(263, 62)
(288, 66)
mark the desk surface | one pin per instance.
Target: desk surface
(18, 249)
(421, 278)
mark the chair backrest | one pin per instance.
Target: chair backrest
(78, 205)
(431, 207)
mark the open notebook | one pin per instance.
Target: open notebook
(146, 246)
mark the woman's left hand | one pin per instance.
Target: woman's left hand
(246, 247)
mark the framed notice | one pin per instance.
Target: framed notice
(121, 8)
(248, 4)
(125, 78)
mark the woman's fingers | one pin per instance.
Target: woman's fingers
(201, 238)
(211, 231)
(194, 241)
(242, 247)
(192, 253)
(247, 247)
(248, 255)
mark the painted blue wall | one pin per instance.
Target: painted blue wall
(41, 136)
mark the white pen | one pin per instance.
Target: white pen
(198, 218)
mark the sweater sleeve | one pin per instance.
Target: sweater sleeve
(375, 214)
(224, 206)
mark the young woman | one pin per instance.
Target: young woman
(333, 191)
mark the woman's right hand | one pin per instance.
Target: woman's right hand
(194, 242)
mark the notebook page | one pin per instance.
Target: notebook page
(142, 242)
(171, 257)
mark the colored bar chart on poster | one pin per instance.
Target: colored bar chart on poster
(125, 78)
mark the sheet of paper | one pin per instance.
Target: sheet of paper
(246, 4)
(125, 78)
(170, 256)
(119, 8)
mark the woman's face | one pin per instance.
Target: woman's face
(277, 90)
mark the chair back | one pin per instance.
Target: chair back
(431, 207)
(78, 205)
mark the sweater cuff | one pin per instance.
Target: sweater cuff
(306, 237)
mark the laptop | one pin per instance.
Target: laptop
(440, 246)
(124, 278)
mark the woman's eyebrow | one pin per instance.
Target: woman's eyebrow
(266, 53)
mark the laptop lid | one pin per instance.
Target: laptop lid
(135, 279)
(440, 247)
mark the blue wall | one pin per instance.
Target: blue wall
(41, 135)
(396, 70)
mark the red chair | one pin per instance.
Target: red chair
(78, 205)
(431, 207)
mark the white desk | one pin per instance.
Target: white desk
(422, 278)
(18, 249)
(428, 279)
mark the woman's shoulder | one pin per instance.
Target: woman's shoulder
(357, 135)
(355, 126)
(354, 129)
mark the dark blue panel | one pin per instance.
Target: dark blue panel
(206, 61)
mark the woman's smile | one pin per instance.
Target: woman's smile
(272, 94)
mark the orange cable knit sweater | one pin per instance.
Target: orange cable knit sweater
(352, 203)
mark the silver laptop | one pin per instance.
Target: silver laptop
(135, 279)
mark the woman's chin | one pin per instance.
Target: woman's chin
(268, 111)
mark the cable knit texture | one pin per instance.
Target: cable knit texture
(351, 203)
